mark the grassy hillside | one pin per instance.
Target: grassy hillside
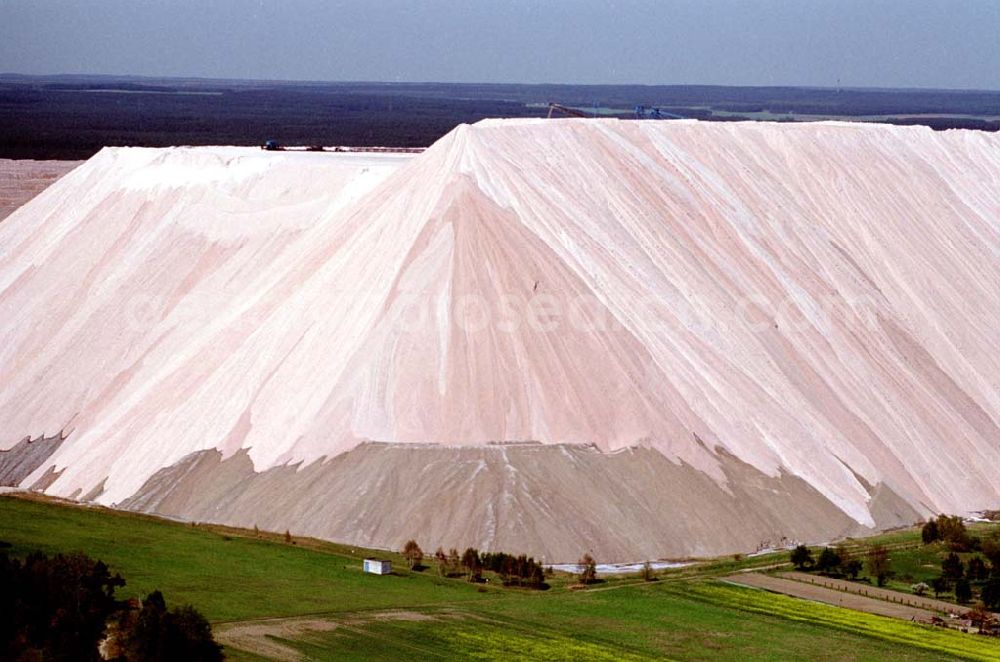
(329, 609)
(227, 577)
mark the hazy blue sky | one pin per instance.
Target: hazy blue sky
(898, 43)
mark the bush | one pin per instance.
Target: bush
(920, 588)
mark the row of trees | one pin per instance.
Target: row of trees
(64, 607)
(838, 561)
(978, 574)
(520, 570)
(513, 570)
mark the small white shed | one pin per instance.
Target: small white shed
(378, 566)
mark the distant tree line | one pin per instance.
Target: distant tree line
(64, 608)
(839, 561)
(514, 570)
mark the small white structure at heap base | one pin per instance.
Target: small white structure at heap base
(378, 566)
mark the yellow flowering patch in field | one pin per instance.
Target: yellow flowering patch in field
(480, 643)
(968, 646)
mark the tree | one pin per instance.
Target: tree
(828, 560)
(852, 568)
(963, 592)
(55, 608)
(929, 533)
(990, 594)
(977, 570)
(192, 635)
(472, 565)
(952, 530)
(588, 569)
(412, 553)
(991, 550)
(802, 558)
(879, 564)
(940, 585)
(952, 567)
(919, 588)
(442, 561)
(980, 617)
(59, 608)
(156, 634)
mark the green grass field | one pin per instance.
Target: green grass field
(227, 577)
(235, 578)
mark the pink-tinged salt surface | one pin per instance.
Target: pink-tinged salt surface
(820, 300)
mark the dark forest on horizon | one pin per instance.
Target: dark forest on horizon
(72, 117)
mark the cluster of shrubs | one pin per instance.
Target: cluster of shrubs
(951, 530)
(520, 570)
(64, 608)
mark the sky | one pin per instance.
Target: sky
(864, 43)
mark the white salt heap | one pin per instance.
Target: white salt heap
(819, 301)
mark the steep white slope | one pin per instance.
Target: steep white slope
(819, 300)
(121, 285)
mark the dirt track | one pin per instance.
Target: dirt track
(875, 592)
(831, 596)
